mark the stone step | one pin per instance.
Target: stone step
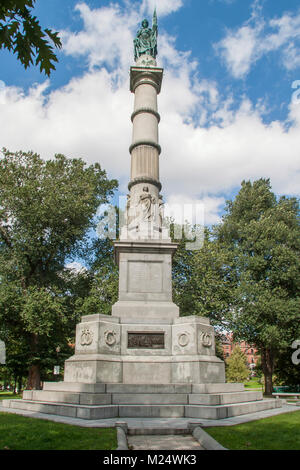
(74, 387)
(150, 399)
(223, 398)
(64, 409)
(68, 397)
(142, 388)
(142, 411)
(116, 387)
(218, 388)
(147, 389)
(136, 398)
(228, 411)
(132, 394)
(151, 411)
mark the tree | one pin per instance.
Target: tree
(237, 370)
(219, 347)
(202, 283)
(285, 371)
(21, 33)
(104, 279)
(258, 370)
(47, 209)
(16, 366)
(261, 235)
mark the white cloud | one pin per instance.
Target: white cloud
(205, 210)
(2, 92)
(75, 120)
(75, 267)
(214, 159)
(163, 7)
(90, 118)
(241, 48)
(106, 36)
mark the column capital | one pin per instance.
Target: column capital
(146, 75)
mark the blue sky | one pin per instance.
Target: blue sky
(228, 108)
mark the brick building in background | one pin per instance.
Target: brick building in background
(250, 350)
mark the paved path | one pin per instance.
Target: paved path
(163, 442)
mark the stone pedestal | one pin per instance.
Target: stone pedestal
(170, 351)
(145, 281)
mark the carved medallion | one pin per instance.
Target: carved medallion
(206, 339)
(183, 339)
(110, 337)
(86, 337)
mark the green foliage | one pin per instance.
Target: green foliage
(41, 311)
(261, 235)
(47, 209)
(237, 370)
(219, 348)
(202, 280)
(104, 284)
(258, 369)
(21, 33)
(16, 366)
(285, 371)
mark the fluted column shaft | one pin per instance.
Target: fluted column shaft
(145, 83)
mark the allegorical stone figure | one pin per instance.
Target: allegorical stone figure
(161, 210)
(146, 39)
(147, 201)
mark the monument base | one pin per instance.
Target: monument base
(101, 401)
(145, 370)
(114, 350)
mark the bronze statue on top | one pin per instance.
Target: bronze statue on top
(146, 39)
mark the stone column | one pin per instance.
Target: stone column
(144, 251)
(144, 208)
(145, 150)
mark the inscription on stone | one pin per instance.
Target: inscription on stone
(146, 340)
(145, 276)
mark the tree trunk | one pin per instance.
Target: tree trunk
(20, 383)
(34, 374)
(267, 362)
(34, 377)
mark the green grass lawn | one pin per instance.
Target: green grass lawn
(253, 383)
(6, 395)
(21, 433)
(281, 432)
